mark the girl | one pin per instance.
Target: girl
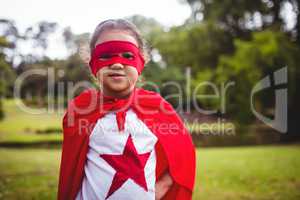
(123, 142)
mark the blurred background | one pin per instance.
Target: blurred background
(228, 45)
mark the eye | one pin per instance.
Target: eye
(128, 55)
(105, 56)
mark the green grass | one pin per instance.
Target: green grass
(235, 173)
(238, 173)
(20, 126)
(28, 173)
(258, 173)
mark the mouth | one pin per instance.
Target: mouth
(116, 75)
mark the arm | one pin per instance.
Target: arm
(163, 185)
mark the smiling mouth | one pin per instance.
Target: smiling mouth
(113, 74)
(116, 75)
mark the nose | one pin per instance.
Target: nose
(116, 66)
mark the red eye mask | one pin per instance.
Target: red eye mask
(108, 53)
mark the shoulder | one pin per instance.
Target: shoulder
(84, 99)
(161, 113)
(84, 103)
(142, 91)
(153, 99)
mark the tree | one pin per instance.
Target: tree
(6, 73)
(266, 52)
(242, 17)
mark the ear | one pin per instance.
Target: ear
(84, 53)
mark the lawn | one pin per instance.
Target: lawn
(248, 173)
(258, 173)
(21, 127)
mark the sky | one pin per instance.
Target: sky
(83, 16)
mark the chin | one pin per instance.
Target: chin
(119, 88)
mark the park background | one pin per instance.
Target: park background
(241, 41)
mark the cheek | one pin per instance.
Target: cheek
(131, 77)
(101, 72)
(132, 73)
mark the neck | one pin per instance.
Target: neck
(120, 95)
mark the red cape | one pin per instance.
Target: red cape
(175, 150)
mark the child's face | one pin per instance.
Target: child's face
(117, 79)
